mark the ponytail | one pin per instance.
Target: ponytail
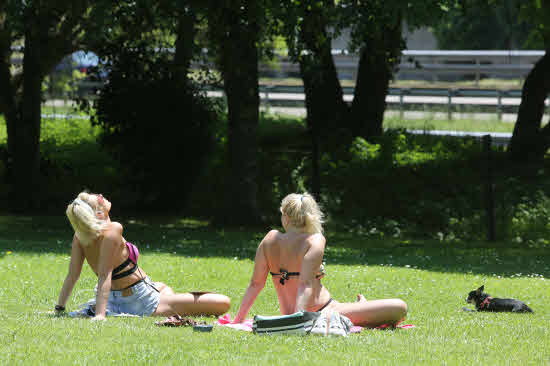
(303, 212)
(84, 222)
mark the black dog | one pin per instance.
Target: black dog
(484, 302)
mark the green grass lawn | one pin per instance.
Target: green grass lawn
(486, 83)
(462, 124)
(432, 277)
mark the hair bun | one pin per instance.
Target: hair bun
(303, 212)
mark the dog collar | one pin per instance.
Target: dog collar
(486, 302)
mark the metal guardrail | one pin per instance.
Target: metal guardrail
(433, 64)
(499, 101)
(347, 70)
(451, 100)
(457, 98)
(465, 92)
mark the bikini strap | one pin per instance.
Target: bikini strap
(125, 273)
(116, 275)
(122, 266)
(284, 275)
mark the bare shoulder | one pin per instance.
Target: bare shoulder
(113, 231)
(271, 236)
(316, 241)
(117, 226)
(269, 239)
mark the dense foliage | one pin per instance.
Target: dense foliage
(400, 186)
(158, 127)
(44, 32)
(484, 26)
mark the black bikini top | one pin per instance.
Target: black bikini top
(286, 274)
(116, 275)
(132, 258)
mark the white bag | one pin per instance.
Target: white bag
(331, 323)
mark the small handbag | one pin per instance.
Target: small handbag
(298, 323)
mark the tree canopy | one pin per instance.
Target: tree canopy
(237, 35)
(486, 25)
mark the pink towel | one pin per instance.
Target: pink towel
(398, 325)
(247, 325)
(227, 322)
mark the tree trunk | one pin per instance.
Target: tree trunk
(185, 39)
(325, 106)
(239, 64)
(369, 100)
(8, 102)
(376, 67)
(529, 142)
(26, 131)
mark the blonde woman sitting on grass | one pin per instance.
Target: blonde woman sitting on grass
(294, 259)
(122, 286)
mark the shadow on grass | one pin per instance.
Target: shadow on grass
(195, 238)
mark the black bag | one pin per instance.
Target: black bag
(298, 323)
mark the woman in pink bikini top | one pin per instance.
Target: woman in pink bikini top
(125, 288)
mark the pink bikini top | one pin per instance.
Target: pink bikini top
(133, 255)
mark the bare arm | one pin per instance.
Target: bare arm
(256, 285)
(75, 268)
(104, 270)
(310, 266)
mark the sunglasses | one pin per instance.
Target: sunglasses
(100, 199)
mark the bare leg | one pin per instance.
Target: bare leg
(192, 304)
(372, 313)
(163, 288)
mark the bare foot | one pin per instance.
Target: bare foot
(361, 298)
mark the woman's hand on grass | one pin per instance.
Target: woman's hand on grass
(98, 318)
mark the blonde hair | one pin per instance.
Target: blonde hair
(303, 212)
(81, 213)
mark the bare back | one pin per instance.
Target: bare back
(113, 243)
(288, 252)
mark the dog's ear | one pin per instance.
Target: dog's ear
(480, 290)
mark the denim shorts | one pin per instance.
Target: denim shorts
(143, 300)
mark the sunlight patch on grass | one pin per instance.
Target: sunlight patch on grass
(429, 124)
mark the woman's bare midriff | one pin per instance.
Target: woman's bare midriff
(91, 252)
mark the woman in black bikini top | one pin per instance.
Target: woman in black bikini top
(302, 247)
